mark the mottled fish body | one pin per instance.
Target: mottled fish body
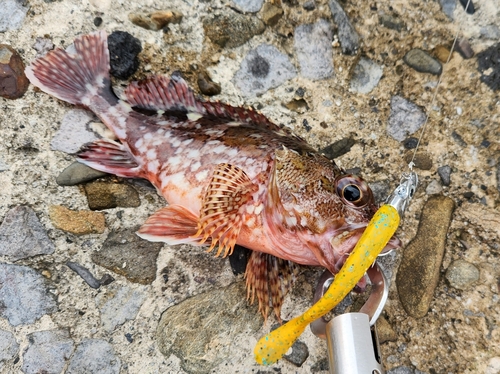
(229, 174)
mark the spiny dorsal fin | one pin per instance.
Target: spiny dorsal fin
(221, 215)
(269, 278)
(162, 93)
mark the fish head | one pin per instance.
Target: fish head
(323, 208)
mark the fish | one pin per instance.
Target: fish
(230, 175)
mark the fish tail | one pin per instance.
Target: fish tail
(75, 78)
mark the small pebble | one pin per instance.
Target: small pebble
(106, 279)
(405, 118)
(248, 6)
(313, 47)
(97, 21)
(410, 143)
(463, 47)
(468, 6)
(433, 188)
(366, 76)
(108, 195)
(123, 52)
(462, 274)
(129, 337)
(489, 66)
(444, 173)
(422, 160)
(231, 29)
(401, 370)
(306, 125)
(442, 53)
(309, 5)
(391, 22)
(299, 354)
(207, 85)
(458, 139)
(271, 13)
(78, 173)
(13, 81)
(157, 20)
(84, 273)
(385, 331)
(422, 62)
(348, 37)
(299, 106)
(42, 46)
(338, 148)
(448, 7)
(77, 222)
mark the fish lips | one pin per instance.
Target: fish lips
(346, 238)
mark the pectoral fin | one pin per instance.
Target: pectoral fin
(173, 224)
(223, 209)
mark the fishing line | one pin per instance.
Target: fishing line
(434, 96)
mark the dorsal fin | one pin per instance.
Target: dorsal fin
(162, 93)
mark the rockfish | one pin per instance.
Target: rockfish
(230, 176)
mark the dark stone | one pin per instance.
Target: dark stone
(458, 139)
(232, 29)
(299, 354)
(468, 6)
(339, 148)
(108, 195)
(422, 160)
(207, 85)
(410, 143)
(77, 173)
(13, 81)
(391, 22)
(300, 92)
(129, 337)
(123, 52)
(106, 279)
(125, 247)
(490, 59)
(306, 125)
(309, 5)
(97, 21)
(348, 37)
(84, 273)
(444, 173)
(238, 259)
(418, 274)
(423, 62)
(321, 365)
(463, 47)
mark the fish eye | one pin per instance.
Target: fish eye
(353, 190)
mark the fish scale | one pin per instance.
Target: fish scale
(230, 176)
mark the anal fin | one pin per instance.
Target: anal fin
(172, 224)
(269, 278)
(110, 157)
(221, 216)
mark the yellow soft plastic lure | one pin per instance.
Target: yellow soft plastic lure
(380, 229)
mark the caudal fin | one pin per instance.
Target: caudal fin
(74, 78)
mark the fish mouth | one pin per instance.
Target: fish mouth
(344, 241)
